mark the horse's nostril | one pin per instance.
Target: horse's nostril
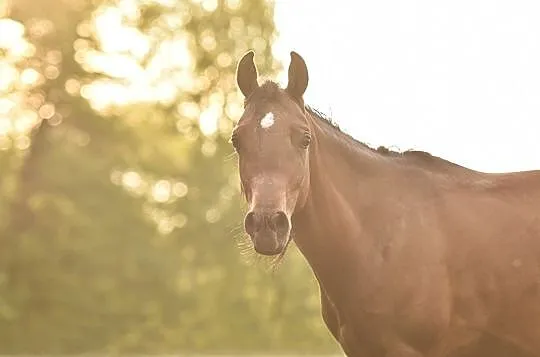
(255, 222)
(249, 223)
(279, 222)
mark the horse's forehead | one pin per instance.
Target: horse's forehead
(267, 117)
(269, 113)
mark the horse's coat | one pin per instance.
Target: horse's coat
(414, 255)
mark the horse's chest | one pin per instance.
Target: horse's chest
(383, 325)
(382, 336)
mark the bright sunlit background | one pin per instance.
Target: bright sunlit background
(459, 79)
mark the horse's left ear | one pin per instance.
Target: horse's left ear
(298, 76)
(246, 74)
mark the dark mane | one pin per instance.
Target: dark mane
(420, 157)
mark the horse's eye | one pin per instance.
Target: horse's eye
(306, 140)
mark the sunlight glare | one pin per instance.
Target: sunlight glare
(114, 65)
(234, 110)
(175, 53)
(6, 106)
(8, 75)
(421, 74)
(177, 20)
(208, 121)
(165, 92)
(103, 94)
(114, 36)
(122, 47)
(130, 8)
(161, 191)
(30, 76)
(5, 126)
(11, 33)
(108, 27)
(25, 122)
(131, 180)
(185, 80)
(189, 110)
(209, 5)
(217, 98)
(166, 3)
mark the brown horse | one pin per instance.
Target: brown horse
(414, 255)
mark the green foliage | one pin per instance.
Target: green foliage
(120, 210)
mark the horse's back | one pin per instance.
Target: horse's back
(493, 254)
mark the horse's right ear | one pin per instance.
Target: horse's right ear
(246, 74)
(298, 76)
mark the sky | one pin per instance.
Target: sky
(459, 79)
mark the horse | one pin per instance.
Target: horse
(415, 256)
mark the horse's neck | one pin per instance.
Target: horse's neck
(328, 229)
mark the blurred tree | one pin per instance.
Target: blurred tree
(118, 194)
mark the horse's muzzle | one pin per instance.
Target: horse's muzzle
(268, 230)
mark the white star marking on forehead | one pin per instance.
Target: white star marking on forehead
(268, 120)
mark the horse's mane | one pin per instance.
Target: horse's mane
(421, 157)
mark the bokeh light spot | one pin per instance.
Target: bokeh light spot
(210, 5)
(22, 142)
(161, 191)
(208, 40)
(224, 60)
(30, 76)
(233, 4)
(51, 72)
(208, 120)
(213, 215)
(209, 148)
(47, 111)
(131, 180)
(180, 220)
(180, 189)
(5, 106)
(73, 86)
